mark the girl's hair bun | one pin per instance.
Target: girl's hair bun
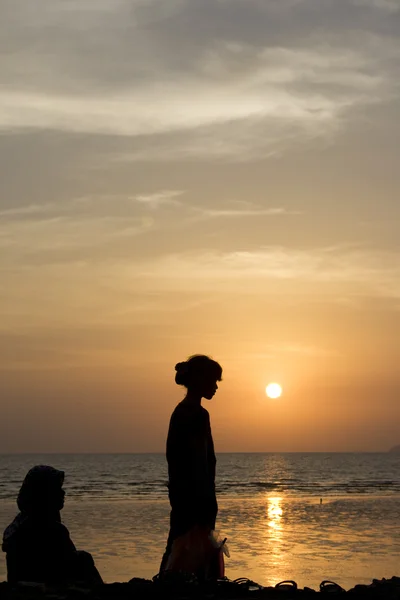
(181, 369)
(197, 366)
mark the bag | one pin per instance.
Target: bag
(199, 551)
(217, 566)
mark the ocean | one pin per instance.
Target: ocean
(306, 517)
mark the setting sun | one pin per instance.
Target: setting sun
(273, 390)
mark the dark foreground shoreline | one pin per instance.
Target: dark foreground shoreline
(243, 589)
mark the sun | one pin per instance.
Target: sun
(273, 390)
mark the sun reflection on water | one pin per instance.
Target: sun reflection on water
(275, 512)
(274, 538)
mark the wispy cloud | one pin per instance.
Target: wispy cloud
(92, 222)
(231, 95)
(135, 290)
(358, 270)
(163, 198)
(390, 6)
(81, 223)
(244, 212)
(92, 206)
(93, 227)
(187, 104)
(68, 234)
(26, 210)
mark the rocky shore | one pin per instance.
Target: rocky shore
(178, 589)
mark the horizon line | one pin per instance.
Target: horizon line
(162, 453)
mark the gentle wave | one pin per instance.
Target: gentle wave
(238, 475)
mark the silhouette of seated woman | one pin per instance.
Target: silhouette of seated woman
(190, 452)
(38, 546)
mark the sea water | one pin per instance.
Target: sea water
(306, 517)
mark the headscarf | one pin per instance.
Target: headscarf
(40, 482)
(39, 485)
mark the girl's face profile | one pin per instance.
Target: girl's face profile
(209, 388)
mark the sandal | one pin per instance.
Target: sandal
(288, 584)
(330, 586)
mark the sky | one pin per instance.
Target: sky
(181, 177)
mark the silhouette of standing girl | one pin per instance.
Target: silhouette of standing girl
(190, 451)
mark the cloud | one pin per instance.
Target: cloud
(27, 210)
(244, 212)
(95, 226)
(30, 238)
(357, 270)
(135, 290)
(187, 104)
(163, 198)
(100, 230)
(190, 211)
(96, 205)
(377, 273)
(59, 228)
(390, 6)
(215, 83)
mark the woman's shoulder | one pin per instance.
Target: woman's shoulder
(187, 408)
(38, 531)
(188, 412)
(61, 528)
(46, 526)
(205, 414)
(181, 411)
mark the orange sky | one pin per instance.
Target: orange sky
(176, 181)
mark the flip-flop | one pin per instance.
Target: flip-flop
(330, 586)
(251, 585)
(288, 584)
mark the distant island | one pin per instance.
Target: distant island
(395, 449)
